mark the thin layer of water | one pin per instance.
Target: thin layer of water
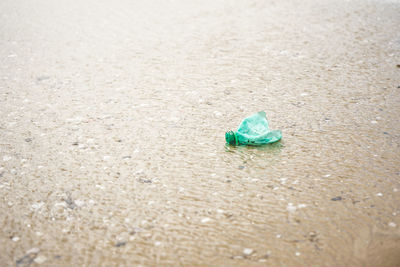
(112, 133)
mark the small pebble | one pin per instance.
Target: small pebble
(247, 251)
(374, 122)
(15, 239)
(379, 194)
(120, 244)
(392, 224)
(33, 251)
(336, 198)
(40, 259)
(297, 253)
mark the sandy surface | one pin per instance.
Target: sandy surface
(113, 116)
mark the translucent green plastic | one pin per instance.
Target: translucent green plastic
(253, 131)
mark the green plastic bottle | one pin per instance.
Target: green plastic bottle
(253, 131)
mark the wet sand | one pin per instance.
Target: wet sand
(113, 115)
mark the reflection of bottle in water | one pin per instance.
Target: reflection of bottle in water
(253, 131)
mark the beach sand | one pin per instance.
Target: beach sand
(113, 115)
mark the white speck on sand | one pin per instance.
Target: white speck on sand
(291, 208)
(6, 158)
(37, 206)
(392, 224)
(247, 251)
(157, 243)
(40, 259)
(100, 186)
(217, 114)
(205, 220)
(79, 202)
(62, 204)
(297, 253)
(374, 122)
(379, 194)
(15, 239)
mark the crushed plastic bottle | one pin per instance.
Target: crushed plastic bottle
(253, 131)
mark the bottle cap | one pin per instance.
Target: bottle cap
(231, 138)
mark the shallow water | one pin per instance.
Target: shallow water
(112, 127)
